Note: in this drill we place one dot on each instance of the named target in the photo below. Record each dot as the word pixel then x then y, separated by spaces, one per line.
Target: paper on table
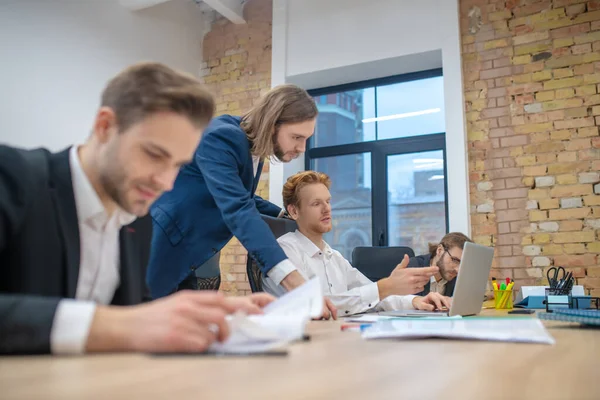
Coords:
pixel 305 300
pixel 367 318
pixel 529 330
pixel 283 321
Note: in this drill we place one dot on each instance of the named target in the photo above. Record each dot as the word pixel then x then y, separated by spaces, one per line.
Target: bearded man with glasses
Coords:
pixel 446 255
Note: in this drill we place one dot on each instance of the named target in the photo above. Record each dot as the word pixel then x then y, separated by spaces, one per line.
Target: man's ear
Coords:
pixel 292 211
pixel 440 250
pixel 105 124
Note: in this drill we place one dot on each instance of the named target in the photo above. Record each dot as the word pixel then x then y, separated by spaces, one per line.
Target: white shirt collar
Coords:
pixel 308 247
pixel 89 207
pixel 433 280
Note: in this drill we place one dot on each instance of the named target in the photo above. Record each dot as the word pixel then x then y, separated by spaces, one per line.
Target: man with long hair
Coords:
pixel 213 198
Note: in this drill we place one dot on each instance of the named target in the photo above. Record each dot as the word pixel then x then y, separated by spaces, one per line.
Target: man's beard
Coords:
pixel 113 182
pixel 440 264
pixel 277 150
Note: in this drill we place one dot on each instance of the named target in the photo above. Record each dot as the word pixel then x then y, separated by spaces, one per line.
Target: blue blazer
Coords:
pixel 212 200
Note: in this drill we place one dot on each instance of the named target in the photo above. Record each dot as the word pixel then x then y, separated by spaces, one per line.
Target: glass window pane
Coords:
pixel 409 109
pixel 341 115
pixel 416 199
pixel 350 201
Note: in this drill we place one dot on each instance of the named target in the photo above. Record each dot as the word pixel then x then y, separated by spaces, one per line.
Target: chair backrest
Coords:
pixel 279 227
pixel 379 262
pixel 209 273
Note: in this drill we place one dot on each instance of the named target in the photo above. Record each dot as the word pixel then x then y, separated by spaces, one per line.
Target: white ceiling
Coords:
pixel 233 10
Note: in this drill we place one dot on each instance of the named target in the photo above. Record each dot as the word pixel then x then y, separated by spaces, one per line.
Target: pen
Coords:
pixel 494 284
pixel 345 327
pixel 507 281
pixel 507 294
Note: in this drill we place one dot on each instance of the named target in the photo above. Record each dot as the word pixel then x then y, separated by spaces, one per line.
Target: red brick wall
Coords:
pixel 532 89
pixel 237 70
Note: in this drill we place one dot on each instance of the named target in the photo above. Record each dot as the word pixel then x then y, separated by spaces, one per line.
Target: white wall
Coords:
pixel 320 43
pixel 57 55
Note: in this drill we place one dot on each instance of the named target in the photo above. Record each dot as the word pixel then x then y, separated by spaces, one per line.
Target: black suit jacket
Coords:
pixel 425 261
pixel 40 248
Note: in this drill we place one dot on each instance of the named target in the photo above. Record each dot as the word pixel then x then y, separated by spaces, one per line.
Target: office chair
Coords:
pixel 279 227
pixel 378 262
pixel 208 274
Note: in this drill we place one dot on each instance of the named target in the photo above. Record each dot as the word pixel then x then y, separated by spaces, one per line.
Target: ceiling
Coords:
pixel 233 10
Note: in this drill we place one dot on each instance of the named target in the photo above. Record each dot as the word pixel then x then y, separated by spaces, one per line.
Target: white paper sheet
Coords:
pixel 283 321
pixel 529 330
pixel 304 300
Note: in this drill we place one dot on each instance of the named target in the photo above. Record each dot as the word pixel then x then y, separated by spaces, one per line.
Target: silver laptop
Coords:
pixel 469 291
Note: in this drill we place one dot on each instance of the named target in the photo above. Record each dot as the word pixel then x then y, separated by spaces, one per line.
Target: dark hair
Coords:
pixel 147 88
pixel 450 240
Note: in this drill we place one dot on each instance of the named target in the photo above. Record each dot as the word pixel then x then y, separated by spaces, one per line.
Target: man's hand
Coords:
pixel 403 281
pixel 433 301
pixel 329 310
pixel 252 304
pixel 294 279
pixel 187 321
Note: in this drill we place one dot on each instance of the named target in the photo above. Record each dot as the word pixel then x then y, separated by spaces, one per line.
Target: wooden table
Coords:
pixel 333 365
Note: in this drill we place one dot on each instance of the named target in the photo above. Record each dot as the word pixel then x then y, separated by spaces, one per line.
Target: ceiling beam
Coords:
pixel 136 5
pixel 233 10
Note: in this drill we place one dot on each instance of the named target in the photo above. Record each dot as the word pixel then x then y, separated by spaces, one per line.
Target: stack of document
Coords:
pixel 283 321
pixel 528 330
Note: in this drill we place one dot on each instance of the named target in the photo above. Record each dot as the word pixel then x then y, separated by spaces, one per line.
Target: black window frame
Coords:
pixel 381 149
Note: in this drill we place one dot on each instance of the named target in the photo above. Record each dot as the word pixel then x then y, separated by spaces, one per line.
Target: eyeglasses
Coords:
pixel 454 259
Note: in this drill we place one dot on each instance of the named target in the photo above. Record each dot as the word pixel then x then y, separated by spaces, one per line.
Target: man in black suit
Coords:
pixel 74 239
pixel 446 255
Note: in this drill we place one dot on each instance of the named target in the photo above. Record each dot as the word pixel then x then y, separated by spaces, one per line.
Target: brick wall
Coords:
pixel 237 70
pixel 532 88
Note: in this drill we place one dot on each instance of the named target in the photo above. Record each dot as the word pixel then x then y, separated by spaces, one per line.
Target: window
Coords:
pixel 382 143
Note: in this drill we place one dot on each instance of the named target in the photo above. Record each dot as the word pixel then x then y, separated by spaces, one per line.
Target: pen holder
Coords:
pixel 503 299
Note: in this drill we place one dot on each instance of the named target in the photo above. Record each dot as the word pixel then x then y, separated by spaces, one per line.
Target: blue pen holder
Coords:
pixel 554 301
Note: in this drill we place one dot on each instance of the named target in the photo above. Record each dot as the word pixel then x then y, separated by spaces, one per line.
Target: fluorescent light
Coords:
pixel 427 160
pixel 404 115
pixel 430 165
pixel 436 177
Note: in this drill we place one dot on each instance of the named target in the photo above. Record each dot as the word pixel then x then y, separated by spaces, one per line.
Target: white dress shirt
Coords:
pixel 285 267
pixel 99 265
pixel 349 290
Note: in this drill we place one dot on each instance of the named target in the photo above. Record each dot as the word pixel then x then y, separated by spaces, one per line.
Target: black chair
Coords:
pixel 208 275
pixel 279 227
pixel 378 262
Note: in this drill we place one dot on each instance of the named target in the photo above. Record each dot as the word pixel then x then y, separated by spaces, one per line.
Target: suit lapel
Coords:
pixel 257 177
pixel 63 200
pixel 449 290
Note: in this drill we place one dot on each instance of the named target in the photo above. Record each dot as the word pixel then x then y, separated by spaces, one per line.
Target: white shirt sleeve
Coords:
pixel 395 303
pixel 390 303
pixel 362 295
pixel 280 271
pixel 71 326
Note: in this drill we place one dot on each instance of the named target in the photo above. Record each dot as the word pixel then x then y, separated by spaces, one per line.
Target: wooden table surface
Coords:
pixel 332 365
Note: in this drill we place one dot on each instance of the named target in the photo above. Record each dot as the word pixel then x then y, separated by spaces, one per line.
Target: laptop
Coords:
pixel 469 290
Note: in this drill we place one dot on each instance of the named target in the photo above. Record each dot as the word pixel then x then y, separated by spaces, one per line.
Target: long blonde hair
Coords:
pixel 284 104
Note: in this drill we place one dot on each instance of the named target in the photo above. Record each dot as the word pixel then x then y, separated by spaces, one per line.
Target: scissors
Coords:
pixel 554 275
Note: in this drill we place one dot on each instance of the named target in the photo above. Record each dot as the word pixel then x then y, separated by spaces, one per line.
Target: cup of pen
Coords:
pixel 503 299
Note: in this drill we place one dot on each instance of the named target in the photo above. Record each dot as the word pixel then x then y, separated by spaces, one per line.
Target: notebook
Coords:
pixel 585 317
